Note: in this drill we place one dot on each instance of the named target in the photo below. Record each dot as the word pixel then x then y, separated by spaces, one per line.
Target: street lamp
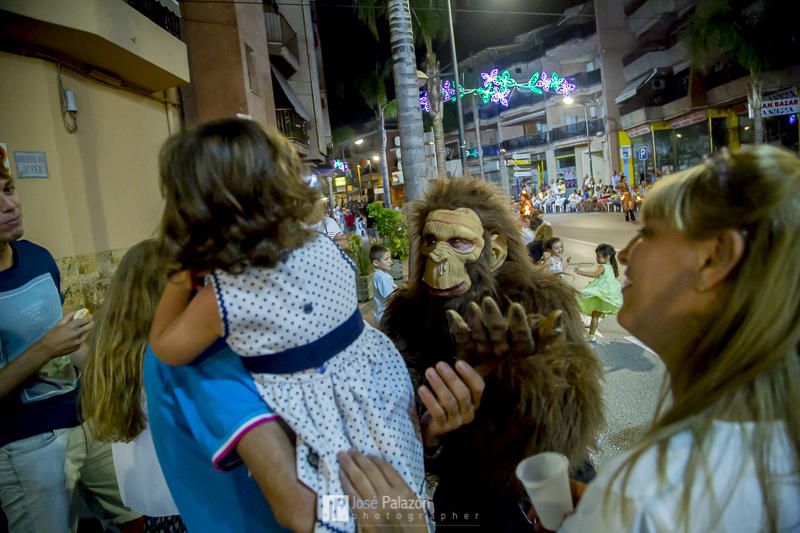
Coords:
pixel 358 142
pixel 568 100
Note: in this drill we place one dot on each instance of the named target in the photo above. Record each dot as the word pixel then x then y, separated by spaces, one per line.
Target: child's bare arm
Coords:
pixel 595 273
pixel 269 455
pixel 183 327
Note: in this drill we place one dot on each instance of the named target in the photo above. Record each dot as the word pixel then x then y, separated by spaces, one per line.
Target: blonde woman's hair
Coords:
pixel 112 380
pixel 745 365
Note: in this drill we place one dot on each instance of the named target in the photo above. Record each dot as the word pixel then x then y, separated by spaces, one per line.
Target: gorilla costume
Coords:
pixel 467 246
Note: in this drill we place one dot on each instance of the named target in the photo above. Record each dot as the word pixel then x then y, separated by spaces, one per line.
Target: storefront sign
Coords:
pixel 640 130
pixel 782 103
pixel 625 152
pixel 340 181
pixel 688 120
pixel 31 164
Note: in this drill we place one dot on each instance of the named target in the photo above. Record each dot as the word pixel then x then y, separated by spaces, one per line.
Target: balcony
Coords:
pixel 525 141
pixel 587 79
pixel 292 125
pixel 281 43
pixel 558 35
pixel 576 130
pixel 488 150
pixel 158 13
pixel 117 39
pixel 651 14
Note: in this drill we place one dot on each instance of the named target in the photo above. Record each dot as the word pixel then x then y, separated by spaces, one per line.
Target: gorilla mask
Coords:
pixel 451 240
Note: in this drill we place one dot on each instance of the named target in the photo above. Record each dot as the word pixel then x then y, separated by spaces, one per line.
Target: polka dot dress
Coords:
pixel 360 398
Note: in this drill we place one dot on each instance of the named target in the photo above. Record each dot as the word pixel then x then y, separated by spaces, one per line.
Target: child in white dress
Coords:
pixel 283 298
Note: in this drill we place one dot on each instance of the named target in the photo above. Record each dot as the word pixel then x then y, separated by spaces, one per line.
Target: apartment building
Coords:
pixel 671 116
pixel 265 64
pixel 632 111
pixel 87 97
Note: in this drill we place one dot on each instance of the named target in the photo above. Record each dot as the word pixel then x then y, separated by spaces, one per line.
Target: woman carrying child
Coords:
pixel 283 298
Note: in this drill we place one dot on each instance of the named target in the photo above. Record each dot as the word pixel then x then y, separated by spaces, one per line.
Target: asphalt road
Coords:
pixel 633 373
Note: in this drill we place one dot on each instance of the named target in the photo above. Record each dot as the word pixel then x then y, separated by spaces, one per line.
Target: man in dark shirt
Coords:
pixel 44 449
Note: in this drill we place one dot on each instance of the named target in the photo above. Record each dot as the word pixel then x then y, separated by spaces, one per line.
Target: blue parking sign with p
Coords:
pixel 642 152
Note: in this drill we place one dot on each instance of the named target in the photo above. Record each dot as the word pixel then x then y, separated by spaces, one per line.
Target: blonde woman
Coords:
pixel 713 287
pixel 112 395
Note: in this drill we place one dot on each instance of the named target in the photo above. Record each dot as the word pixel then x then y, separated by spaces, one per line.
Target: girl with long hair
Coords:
pixel 603 295
pixel 112 394
pixel 282 296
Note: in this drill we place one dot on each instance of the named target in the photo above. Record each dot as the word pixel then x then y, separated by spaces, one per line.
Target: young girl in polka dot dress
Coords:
pixel 283 297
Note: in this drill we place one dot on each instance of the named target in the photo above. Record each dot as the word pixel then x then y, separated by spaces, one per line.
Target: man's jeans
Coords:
pixel 39 477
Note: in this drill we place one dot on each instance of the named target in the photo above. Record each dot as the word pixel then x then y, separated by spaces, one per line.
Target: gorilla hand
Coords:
pixel 487 337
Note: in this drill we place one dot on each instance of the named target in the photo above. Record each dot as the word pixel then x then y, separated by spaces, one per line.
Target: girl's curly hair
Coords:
pixel 234 197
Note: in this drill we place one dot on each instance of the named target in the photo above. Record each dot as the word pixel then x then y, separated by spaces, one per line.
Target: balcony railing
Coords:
pixel 158 14
pixel 577 129
pixel 279 31
pixel 525 141
pixel 587 79
pixel 488 150
pixel 291 125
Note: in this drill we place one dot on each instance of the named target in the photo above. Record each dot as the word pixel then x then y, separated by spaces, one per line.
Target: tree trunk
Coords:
pixel 387 186
pixel 409 116
pixel 437 112
pixel 754 100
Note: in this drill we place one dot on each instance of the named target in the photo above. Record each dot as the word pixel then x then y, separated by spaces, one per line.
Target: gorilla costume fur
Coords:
pixel 467 246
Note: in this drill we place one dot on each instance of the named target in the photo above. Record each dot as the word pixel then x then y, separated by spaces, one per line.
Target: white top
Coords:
pixel 141 482
pixel 360 397
pixel 652 507
pixel 329 227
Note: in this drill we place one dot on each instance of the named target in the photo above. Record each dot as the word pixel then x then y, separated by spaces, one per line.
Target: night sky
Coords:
pixel 349 50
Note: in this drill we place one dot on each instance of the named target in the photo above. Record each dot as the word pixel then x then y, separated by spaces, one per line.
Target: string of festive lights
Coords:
pixel 498 87
pixel 341 166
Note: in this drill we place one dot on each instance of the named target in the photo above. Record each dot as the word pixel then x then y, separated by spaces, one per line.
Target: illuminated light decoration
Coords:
pixel 792 120
pixel 448 93
pixel 498 87
pixel 340 165
pixel 424 102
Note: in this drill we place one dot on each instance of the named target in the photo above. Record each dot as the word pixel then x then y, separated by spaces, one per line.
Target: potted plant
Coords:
pixel 391 226
pixel 359 253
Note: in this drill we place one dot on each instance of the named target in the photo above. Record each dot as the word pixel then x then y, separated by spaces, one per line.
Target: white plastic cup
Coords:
pixel 544 477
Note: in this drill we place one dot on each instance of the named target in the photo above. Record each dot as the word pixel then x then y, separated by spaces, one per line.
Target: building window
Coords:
pixel 691 144
pixel 252 72
pixel 571 119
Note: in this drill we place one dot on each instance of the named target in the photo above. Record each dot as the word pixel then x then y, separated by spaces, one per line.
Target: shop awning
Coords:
pixel 633 87
pixel 290 94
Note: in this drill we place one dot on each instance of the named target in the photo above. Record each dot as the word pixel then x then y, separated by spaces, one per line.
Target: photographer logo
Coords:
pixel 335 508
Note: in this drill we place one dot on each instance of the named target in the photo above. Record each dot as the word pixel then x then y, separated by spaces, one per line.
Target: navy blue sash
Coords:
pixel 311 355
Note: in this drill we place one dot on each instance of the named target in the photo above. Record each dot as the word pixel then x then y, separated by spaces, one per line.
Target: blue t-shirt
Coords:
pixel 30 305
pixel 384 285
pixel 197 414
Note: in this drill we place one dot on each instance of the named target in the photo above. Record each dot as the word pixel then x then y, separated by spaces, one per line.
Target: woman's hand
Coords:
pixel 451 399
pixel 377 493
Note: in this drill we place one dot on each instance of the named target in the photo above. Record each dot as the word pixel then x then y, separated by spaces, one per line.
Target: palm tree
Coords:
pixel 429 24
pixel 751 35
pixel 373 91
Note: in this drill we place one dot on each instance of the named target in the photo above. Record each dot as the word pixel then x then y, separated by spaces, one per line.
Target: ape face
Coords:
pixel 451 240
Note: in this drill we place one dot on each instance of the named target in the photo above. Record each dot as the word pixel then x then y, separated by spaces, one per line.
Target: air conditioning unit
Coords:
pixel 658 84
